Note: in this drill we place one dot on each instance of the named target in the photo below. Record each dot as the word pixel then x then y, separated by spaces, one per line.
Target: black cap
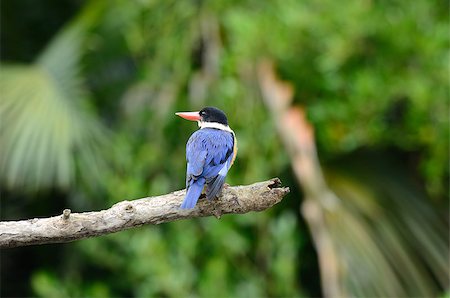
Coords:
pixel 212 114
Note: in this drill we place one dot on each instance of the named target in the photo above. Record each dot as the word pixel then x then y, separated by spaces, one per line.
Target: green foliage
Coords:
pixel 165 261
pixel 384 222
pixel 371 75
pixel 46 118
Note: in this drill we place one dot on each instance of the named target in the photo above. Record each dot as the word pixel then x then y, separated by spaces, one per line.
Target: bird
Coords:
pixel 210 152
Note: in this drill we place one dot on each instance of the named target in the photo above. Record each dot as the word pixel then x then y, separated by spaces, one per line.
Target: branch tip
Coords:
pixel 274 183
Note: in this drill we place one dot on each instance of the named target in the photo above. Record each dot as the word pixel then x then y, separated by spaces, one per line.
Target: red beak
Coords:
pixel 192 116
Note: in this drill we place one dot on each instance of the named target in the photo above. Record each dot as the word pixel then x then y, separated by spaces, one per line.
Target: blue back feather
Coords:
pixel 208 154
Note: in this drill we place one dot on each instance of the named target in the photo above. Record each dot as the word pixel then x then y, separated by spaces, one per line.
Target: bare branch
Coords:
pixel 127 214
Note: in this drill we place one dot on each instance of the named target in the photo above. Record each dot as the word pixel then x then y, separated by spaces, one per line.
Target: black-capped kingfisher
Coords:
pixel 210 152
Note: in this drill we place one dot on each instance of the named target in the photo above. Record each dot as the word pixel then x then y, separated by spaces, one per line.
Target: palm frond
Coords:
pixel 46 121
pixel 392 244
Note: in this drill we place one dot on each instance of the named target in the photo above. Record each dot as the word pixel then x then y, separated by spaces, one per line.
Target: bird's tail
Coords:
pixel 193 193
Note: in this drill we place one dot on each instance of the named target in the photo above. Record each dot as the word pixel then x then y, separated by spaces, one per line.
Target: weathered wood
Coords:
pixel 127 214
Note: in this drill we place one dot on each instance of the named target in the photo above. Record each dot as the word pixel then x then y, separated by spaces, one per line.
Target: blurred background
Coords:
pixel 88 95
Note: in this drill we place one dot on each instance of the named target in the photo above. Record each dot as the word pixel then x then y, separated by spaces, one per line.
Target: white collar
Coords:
pixel 216 125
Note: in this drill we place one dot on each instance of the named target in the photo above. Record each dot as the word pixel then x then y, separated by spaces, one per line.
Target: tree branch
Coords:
pixel 128 214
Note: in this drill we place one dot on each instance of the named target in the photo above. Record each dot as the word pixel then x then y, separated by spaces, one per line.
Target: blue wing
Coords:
pixel 215 185
pixel 208 153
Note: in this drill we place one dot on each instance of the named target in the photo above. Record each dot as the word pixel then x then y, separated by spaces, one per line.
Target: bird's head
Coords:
pixel 205 116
